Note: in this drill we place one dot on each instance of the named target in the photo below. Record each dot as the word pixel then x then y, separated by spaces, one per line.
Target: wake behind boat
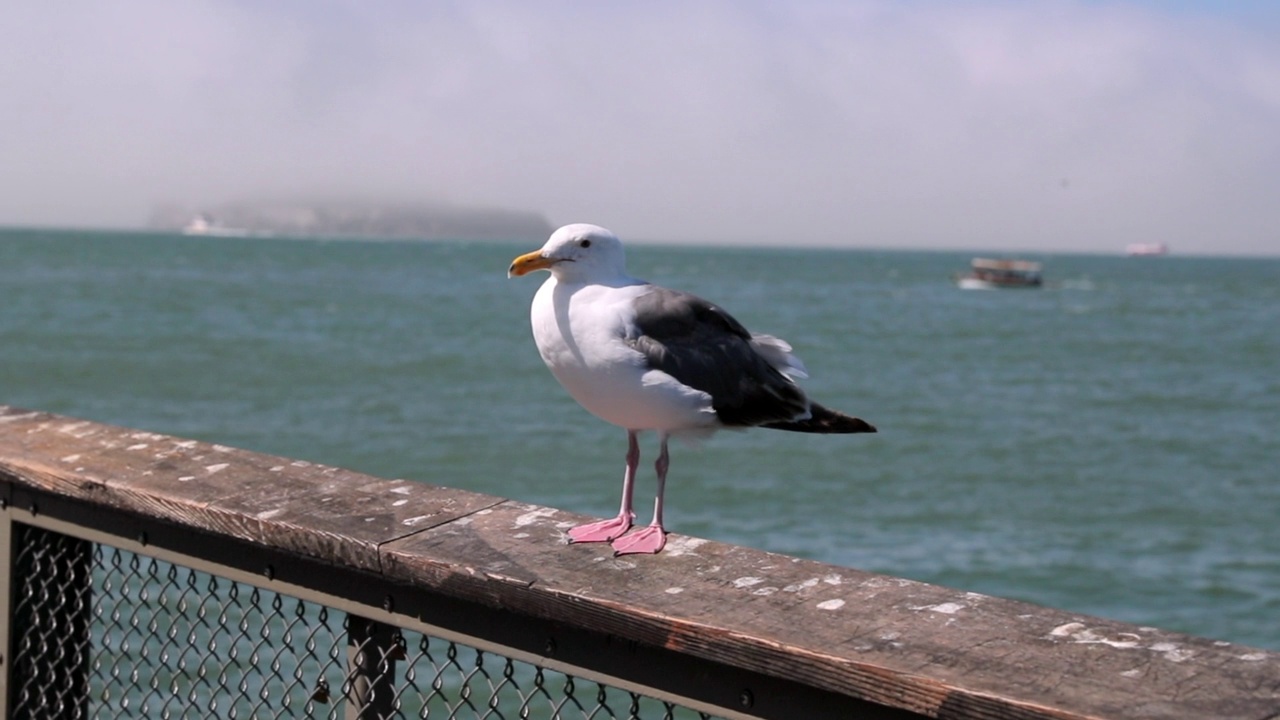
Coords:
pixel 991 274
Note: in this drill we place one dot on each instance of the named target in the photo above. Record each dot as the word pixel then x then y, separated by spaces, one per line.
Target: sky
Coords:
pixel 1071 125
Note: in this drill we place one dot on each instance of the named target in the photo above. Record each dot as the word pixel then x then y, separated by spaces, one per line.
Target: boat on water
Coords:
pixel 1146 249
pixel 205 224
pixel 992 274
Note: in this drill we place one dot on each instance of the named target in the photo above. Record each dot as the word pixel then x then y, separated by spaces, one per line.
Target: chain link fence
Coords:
pixel 101 632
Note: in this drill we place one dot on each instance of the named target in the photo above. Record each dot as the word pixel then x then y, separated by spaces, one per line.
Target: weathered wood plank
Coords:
pixel 928 649
pixel 311 509
pixel 932 650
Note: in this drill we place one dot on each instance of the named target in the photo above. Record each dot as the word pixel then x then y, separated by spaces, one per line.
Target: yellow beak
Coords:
pixel 529 262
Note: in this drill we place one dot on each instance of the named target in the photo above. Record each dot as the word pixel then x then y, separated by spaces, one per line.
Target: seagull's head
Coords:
pixel 578 251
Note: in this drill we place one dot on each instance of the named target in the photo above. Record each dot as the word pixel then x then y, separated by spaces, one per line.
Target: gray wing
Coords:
pixel 703 347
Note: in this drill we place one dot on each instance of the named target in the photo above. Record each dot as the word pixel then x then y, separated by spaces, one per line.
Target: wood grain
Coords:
pixel 927 649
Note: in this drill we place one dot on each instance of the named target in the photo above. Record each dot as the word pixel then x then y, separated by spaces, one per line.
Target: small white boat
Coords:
pixel 199 225
pixel 205 224
pixel 991 274
pixel 1141 249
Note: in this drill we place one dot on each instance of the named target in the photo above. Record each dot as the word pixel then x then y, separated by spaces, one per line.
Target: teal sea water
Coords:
pixel 1108 445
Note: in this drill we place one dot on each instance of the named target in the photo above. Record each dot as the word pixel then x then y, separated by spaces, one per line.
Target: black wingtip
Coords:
pixel 825 421
pixel 860 426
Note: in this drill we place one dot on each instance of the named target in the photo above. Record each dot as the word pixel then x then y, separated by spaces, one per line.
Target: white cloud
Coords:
pixel 1062 125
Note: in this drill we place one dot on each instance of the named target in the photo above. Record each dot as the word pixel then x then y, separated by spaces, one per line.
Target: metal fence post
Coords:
pixel 6 609
pixel 371 661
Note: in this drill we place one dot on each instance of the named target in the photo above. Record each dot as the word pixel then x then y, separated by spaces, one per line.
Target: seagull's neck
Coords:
pixel 569 279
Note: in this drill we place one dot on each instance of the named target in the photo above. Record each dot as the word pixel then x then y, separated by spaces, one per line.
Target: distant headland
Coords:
pixel 353 219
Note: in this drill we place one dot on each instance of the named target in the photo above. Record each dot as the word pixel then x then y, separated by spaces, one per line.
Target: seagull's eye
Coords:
pixel 584 243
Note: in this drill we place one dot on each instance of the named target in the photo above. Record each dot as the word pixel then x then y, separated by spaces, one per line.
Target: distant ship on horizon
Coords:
pixel 206 224
pixel 1142 249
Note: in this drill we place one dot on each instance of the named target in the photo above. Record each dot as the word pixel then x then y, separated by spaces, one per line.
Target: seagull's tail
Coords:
pixel 826 421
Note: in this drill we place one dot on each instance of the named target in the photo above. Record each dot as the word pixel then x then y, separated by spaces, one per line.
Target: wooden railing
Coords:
pixel 723 629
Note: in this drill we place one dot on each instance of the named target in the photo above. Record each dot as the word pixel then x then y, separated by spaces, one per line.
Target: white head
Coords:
pixel 578 252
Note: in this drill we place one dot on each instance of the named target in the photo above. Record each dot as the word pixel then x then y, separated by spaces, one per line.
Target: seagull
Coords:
pixel 647 358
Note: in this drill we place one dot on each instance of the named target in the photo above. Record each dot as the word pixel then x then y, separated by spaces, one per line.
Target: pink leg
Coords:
pixel 606 530
pixel 653 537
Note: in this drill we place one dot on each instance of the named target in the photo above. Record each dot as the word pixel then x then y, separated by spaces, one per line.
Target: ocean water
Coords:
pixel 1107 445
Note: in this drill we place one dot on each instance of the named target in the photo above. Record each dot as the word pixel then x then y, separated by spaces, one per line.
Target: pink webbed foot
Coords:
pixel 602 531
pixel 650 540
